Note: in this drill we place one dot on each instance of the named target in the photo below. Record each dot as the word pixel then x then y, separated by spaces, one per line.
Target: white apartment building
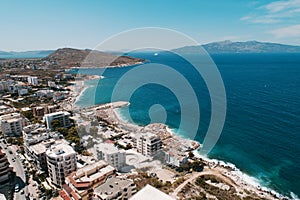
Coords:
pixel 61 161
pixel 11 124
pixel 33 80
pixel 61 116
pixel 111 154
pixel 147 143
pixel 3 86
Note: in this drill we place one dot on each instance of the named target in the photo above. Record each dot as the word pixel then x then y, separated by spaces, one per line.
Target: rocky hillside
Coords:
pixel 68 57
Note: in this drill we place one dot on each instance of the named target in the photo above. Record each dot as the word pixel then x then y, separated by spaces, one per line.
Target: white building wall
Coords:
pixel 33 80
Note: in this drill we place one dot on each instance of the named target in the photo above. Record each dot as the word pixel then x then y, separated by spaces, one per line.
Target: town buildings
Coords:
pixel 40 111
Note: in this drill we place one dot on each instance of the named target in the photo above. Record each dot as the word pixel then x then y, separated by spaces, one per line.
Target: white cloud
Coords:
pixel 265 20
pixel 279 6
pixel 287 32
pixel 246 18
pixel 274 12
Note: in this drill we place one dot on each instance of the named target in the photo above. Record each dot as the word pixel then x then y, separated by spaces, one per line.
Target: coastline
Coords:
pixel 106 67
pixel 79 87
pixel 228 170
pixel 225 169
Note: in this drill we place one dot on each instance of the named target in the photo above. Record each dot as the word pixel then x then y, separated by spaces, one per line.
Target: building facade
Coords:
pixel 6 176
pixel 62 117
pixel 5 170
pixel 38 111
pixel 12 124
pixel 61 161
pixel 111 154
pixel 33 80
pixel 147 144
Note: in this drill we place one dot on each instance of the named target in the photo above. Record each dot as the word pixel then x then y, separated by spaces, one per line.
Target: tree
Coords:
pixel 28 114
pixel 191 154
pixel 55 124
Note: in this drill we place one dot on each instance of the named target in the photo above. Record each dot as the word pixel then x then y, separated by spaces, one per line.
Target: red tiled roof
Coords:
pixel 64 195
pixel 109 141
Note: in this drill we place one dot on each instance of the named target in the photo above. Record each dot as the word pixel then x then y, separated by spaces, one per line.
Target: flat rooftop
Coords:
pixel 60 149
pixel 113 185
pixel 107 148
pixel 93 171
pixel 10 116
pixel 57 113
pixel 38 148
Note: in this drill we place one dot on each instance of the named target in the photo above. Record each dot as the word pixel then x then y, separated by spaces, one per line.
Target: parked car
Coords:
pixel 17 188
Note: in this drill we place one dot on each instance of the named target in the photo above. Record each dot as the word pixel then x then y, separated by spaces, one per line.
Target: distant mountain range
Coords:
pixel 26 54
pixel 226 46
pixel 241 47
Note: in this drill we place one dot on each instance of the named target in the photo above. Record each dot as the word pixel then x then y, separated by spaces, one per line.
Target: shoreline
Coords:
pixel 106 67
pixel 241 178
pixel 229 170
pixel 79 87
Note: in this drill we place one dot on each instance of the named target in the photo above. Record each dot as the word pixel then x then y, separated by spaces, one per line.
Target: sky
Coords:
pixel 37 25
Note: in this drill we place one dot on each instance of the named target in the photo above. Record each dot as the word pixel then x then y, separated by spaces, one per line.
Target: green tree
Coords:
pixel 28 114
pixel 55 124
pixel 191 154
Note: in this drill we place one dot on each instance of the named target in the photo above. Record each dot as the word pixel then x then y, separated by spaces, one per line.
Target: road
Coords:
pixel 18 168
pixel 198 174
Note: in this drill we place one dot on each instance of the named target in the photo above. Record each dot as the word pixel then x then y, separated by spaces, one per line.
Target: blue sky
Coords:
pixel 33 24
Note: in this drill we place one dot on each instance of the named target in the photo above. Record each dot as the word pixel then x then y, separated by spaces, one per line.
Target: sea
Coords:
pixel 261 133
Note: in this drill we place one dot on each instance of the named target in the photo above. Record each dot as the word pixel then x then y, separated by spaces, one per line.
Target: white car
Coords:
pixel 17 187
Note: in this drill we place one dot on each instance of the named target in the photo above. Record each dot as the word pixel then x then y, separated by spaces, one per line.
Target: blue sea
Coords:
pixel 261 134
